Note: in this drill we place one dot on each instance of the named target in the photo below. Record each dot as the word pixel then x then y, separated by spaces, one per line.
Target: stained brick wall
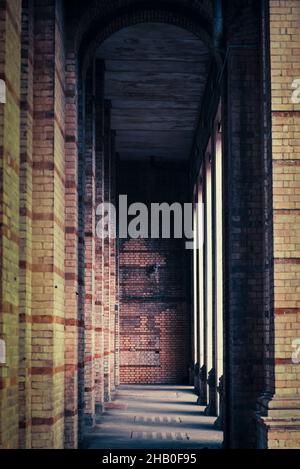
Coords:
pixel 154 312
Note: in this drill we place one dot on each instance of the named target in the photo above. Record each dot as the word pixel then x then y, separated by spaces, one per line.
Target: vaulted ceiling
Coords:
pixel 155 78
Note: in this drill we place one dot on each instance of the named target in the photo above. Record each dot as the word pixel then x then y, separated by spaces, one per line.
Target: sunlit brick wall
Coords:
pixel 48 229
pixel 26 225
pixel 10 68
pixel 285 68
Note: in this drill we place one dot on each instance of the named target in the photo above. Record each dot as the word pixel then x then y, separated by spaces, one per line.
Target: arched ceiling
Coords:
pixel 155 78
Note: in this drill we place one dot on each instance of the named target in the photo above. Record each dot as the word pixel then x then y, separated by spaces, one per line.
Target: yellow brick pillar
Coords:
pixel 48 279
pixel 99 243
pixel 280 407
pixel 25 317
pixel 89 250
pixel 10 31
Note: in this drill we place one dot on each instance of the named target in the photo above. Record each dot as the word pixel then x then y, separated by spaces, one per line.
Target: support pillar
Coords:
pixel 27 49
pixel 278 409
pixel 195 295
pixel 81 258
pixel 99 265
pixel 218 266
pixel 209 273
pixel 10 51
pixel 48 253
pixel 90 231
pixel 112 262
pixel 243 235
pixel 202 400
pixel 72 318
pixel 106 247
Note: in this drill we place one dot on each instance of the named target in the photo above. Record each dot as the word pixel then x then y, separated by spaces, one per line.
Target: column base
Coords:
pixel 211 409
pixel 107 390
pixel 219 423
pixel 278 422
pixel 196 380
pixel 89 421
pixel 99 408
pixel 202 399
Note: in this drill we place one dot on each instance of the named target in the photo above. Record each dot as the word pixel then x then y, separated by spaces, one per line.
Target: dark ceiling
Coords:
pixel 155 78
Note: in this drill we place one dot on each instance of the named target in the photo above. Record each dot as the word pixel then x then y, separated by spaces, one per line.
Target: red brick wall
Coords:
pixel 154 312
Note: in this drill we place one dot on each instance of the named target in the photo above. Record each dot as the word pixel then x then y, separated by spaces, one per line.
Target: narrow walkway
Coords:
pixel 154 417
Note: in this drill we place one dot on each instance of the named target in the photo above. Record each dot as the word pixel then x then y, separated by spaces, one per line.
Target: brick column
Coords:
pixel 26 224
pixel 243 224
pixel 72 321
pixel 10 32
pixel 117 303
pixel 48 229
pixel 279 406
pixel 243 234
pixel 81 257
pixel 112 262
pixel 209 276
pixel 194 378
pixel 99 266
pixel 89 276
pixel 106 248
pixel 202 400
pixel 218 267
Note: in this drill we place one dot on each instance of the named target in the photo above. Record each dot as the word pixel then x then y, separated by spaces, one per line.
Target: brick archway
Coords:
pixel 196 16
pixel 98 24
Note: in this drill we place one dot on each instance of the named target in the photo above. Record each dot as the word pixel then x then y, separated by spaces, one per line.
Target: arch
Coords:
pixel 100 9
pixel 100 21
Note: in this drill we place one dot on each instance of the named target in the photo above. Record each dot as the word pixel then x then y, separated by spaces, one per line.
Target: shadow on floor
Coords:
pixel 165 417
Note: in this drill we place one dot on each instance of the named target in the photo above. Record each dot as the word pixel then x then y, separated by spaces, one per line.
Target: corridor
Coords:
pixel 149 224
pixel 154 417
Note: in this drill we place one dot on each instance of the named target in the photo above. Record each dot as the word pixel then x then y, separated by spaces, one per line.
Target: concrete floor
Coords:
pixel 154 417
